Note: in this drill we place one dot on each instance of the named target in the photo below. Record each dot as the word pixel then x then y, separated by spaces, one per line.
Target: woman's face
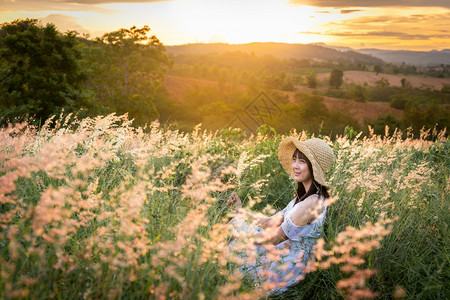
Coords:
pixel 300 167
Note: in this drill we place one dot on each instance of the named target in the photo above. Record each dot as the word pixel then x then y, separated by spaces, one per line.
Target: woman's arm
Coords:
pixel 260 220
pixel 268 222
pixel 305 212
pixel 270 235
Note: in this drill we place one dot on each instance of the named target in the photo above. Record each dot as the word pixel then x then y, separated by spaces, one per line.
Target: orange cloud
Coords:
pixel 349 11
pixel 373 3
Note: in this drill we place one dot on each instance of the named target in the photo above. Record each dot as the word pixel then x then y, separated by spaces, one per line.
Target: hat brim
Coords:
pixel 286 151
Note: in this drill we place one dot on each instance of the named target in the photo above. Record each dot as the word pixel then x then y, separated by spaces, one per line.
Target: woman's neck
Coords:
pixel 307 185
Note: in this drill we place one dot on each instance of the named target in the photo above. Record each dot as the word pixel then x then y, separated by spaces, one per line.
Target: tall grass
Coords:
pixel 98 209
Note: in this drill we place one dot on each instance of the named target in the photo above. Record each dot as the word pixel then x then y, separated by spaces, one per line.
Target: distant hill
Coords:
pixel 279 50
pixel 418 58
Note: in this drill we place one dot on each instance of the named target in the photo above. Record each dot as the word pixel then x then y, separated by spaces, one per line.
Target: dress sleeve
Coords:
pixel 292 231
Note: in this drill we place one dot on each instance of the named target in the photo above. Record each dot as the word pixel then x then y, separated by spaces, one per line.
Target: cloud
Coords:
pixel 387 34
pixel 372 3
pixel 426 21
pixel 349 11
pixel 49 5
pixel 64 5
pixel 64 23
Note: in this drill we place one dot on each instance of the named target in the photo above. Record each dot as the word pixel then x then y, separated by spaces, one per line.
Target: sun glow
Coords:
pixel 231 21
pixel 244 21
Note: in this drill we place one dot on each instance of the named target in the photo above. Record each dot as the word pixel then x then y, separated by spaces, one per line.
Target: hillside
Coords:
pixel 358 110
pixel 370 78
pixel 177 86
pixel 417 58
pixel 279 50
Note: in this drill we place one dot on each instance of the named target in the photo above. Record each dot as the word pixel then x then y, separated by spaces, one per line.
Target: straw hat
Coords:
pixel 317 151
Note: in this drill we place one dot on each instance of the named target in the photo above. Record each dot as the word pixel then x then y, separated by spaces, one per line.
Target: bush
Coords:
pixel 399 101
pixel 357 92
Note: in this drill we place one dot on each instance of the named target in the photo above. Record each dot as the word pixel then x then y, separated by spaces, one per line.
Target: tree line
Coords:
pixel 44 72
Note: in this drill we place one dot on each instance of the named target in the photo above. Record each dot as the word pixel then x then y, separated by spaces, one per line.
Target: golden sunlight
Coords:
pixel 407 26
pixel 230 21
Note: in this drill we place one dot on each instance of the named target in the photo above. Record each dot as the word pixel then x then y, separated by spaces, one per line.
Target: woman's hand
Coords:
pixel 234 202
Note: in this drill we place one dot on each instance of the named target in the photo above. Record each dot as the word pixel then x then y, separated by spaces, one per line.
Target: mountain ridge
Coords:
pixel 410 57
pixel 279 50
pixel 319 51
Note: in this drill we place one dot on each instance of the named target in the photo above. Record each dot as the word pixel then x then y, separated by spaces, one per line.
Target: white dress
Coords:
pixel 282 264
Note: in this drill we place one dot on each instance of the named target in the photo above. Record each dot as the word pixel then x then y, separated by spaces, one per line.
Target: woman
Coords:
pixel 283 243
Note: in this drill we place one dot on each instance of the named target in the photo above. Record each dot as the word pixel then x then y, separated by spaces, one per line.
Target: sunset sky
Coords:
pixel 384 24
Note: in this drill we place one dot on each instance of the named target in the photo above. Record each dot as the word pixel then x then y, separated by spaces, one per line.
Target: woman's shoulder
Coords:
pixel 307 211
pixel 313 203
pixel 316 197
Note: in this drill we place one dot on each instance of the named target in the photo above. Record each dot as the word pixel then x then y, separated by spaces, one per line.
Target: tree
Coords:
pixel 40 71
pixel 405 83
pixel 377 69
pixel 336 78
pixel 127 67
pixel 382 83
pixel 311 78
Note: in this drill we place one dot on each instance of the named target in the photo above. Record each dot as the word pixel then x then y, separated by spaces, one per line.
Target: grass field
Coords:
pixel 99 209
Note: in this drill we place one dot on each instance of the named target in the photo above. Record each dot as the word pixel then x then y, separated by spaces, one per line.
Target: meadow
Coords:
pixel 97 208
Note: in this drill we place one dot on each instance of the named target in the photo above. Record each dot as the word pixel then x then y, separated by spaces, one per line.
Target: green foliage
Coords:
pixel 377 69
pixel 382 83
pixel 336 78
pixel 349 132
pixel 41 71
pixel 126 69
pixel 310 114
pixel 438 71
pixel 210 105
pixel 380 93
pixel 429 117
pixel 405 83
pixel 357 92
pixel 399 101
pixel 311 78
pixel 379 124
pixel 445 89
pixel 282 81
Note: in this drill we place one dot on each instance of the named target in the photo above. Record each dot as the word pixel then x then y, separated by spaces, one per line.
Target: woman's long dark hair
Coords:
pixel 315 188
